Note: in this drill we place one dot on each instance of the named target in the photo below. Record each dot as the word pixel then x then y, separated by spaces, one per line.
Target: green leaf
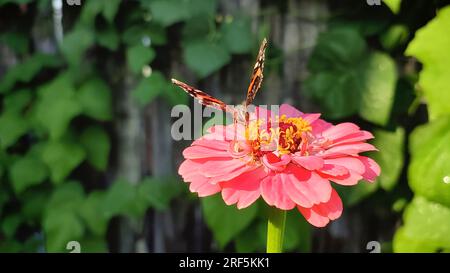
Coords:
pixel 226 222
pixel 430 160
pixel 61 158
pixel 355 194
pixel 10 224
pixel 390 156
pixel 394 5
pixel 57 105
pixel 75 44
pixel 26 172
pixel 204 57
pixel 16 41
pixel 297 236
pixel 12 126
pixel 135 34
pixel 17 101
pixel 394 37
pixel 237 35
pixel 337 49
pixel 33 204
pixel 168 12
pixel 138 56
pixel 93 245
pixel 61 228
pixel 61 223
pixel 430 46
pixel 196 28
pixel 159 191
pixel 108 8
pixel 27 69
pixel 426 228
pixel 97 146
pixel 91 212
pixel 201 7
pixel 95 98
pixel 174 96
pixel 149 88
pixel 346 78
pixel 119 199
pixel 108 37
pixel 379 83
pixel 67 197
pixel 252 239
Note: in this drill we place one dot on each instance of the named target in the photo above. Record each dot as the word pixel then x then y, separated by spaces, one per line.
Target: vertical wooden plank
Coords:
pixel 130 142
pixel 161 145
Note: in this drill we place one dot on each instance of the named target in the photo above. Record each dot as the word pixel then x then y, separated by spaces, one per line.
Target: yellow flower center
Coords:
pixel 285 135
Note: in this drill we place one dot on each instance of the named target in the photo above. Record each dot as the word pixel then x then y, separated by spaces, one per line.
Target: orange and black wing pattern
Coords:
pixel 202 97
pixel 257 75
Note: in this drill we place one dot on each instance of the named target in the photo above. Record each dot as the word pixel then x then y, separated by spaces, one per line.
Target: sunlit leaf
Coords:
pixel 390 156
pixel 430 46
pixel 430 160
pixel 426 228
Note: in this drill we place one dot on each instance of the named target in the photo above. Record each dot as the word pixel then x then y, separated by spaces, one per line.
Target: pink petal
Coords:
pixel 321 214
pixel 352 163
pixel 308 162
pixel 244 189
pixel 289 111
pixel 273 192
pixel 212 144
pixel 297 191
pixel 310 184
pixel 372 169
pixel 340 130
pixel 226 133
pixel 195 152
pixel 348 180
pixel 354 137
pixel 230 175
pixel 311 118
pixel 201 186
pixel 334 170
pixel 319 126
pixel 189 168
pixel 340 174
pixel 262 113
pixel 349 149
pixel 221 167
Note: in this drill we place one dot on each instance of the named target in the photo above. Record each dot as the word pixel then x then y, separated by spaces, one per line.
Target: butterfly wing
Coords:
pixel 257 75
pixel 202 97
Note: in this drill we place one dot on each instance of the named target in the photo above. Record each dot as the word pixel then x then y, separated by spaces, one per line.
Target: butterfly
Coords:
pixel 239 113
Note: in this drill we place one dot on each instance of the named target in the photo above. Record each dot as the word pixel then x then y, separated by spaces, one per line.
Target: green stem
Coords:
pixel 275 230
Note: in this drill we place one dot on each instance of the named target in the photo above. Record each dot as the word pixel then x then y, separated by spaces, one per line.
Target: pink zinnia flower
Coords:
pixel 289 162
